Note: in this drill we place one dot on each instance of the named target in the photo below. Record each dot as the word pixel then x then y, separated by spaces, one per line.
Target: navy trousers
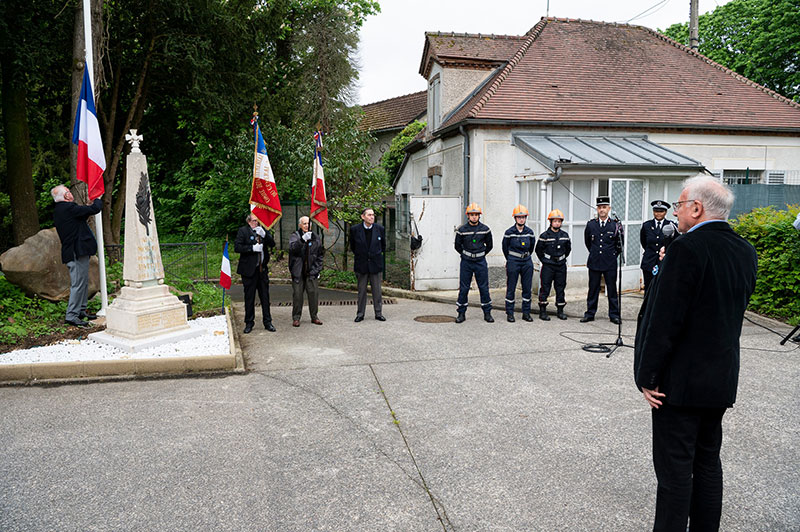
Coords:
pixel 516 268
pixel 686 447
pixel 594 292
pixel 557 276
pixel 480 270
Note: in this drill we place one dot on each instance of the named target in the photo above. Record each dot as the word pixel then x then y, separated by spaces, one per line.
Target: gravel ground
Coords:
pixel 214 341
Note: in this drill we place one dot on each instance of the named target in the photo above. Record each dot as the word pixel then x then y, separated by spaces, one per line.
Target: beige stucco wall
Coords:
pixel 720 152
pixel 458 83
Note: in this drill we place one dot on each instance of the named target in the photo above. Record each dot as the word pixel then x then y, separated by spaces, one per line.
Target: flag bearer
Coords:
pixel 553 249
pixel 518 246
pixel 473 242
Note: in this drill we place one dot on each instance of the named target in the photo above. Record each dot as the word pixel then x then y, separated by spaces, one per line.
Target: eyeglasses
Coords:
pixel 677 204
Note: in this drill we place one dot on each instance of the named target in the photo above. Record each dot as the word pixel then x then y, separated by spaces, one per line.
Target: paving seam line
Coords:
pixel 272 375
pixel 443 519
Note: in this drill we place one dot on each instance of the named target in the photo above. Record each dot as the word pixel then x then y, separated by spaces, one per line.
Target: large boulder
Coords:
pixel 36 267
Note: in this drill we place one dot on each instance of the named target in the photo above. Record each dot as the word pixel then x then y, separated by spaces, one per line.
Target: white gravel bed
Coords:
pixel 213 342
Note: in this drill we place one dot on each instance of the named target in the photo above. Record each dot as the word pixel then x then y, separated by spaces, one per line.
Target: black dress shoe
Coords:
pixel 269 326
pixel 587 318
pixel 380 318
pixel 359 318
pixel 85 316
pixel 77 323
pixel 247 329
pixel 615 321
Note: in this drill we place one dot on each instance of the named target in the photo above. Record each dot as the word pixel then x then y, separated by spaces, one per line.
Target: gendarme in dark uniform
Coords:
pixel 473 242
pixel 601 237
pixel 652 238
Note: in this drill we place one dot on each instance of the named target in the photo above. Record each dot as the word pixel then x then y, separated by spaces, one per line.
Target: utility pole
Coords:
pixel 694 32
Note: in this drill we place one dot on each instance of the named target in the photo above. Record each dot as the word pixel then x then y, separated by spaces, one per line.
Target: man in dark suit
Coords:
pixel 78 244
pixel 686 359
pixel 368 244
pixel 601 238
pixel 652 239
pixel 252 244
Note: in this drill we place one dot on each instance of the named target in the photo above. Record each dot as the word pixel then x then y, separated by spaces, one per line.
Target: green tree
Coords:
pixel 759 39
pixel 394 156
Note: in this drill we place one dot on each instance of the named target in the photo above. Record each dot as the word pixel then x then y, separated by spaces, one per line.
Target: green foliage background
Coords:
pixel 778 246
pixel 759 39
pixel 393 157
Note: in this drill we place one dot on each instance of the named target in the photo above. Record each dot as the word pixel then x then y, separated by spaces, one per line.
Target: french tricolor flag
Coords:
pixel 86 134
pixel 225 270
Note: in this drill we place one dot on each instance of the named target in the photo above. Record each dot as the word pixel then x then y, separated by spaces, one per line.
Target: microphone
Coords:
pixel 614 215
pixel 668 230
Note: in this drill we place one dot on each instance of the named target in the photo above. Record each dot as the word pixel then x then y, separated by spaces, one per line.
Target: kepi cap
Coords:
pixel 603 200
pixel 659 204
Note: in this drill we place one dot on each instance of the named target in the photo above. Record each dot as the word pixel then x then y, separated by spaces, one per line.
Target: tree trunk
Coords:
pixel 112 211
pixel 18 153
pixel 78 47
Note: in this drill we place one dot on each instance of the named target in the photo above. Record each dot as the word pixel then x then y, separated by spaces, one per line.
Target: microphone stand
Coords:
pixel 606 347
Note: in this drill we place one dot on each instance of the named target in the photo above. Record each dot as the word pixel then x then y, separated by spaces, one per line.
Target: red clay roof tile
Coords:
pixel 570 71
pixel 395 112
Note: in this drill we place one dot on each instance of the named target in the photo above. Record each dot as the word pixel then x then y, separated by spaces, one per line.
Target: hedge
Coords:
pixel 777 243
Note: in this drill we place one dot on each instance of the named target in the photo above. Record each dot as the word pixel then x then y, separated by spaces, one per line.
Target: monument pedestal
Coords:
pixel 145 317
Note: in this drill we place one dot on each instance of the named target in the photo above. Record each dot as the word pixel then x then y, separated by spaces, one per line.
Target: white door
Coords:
pixel 628 202
pixel 435 265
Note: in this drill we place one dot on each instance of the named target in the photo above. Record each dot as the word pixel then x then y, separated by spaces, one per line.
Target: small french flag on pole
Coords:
pixel 86 134
pixel 225 270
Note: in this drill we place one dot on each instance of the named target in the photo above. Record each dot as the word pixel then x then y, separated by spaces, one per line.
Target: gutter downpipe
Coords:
pixel 543 193
pixel 466 167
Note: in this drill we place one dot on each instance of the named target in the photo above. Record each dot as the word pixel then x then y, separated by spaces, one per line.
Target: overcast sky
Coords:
pixel 392 41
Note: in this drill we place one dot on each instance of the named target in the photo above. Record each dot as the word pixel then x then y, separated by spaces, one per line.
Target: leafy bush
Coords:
pixel 331 278
pixel 778 246
pixel 393 158
pixel 22 316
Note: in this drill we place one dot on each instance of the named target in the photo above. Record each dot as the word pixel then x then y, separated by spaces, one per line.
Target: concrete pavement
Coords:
pixel 401 425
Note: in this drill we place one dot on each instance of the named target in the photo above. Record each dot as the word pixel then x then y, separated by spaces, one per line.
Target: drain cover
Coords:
pixel 435 318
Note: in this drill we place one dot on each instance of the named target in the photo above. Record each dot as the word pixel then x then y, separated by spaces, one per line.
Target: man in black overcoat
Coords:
pixel 368 244
pixel 306 255
pixel 252 244
pixel 686 359
pixel 78 244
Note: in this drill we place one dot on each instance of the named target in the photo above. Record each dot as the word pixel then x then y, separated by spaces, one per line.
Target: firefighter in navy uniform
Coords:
pixel 473 242
pixel 518 246
pixel 652 239
pixel 601 237
pixel 553 249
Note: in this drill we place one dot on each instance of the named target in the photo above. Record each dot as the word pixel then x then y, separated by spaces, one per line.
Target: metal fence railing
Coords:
pixel 748 197
pixel 185 260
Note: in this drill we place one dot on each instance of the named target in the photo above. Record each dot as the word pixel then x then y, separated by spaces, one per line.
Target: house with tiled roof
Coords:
pixel 571 110
pixel 387 118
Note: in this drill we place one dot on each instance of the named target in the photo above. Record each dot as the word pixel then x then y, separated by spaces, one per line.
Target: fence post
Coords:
pixel 205 262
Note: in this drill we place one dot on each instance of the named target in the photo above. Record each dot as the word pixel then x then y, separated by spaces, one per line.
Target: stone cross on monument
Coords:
pixel 145 313
pixel 134 139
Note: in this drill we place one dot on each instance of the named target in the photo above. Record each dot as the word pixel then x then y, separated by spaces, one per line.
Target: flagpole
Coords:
pixel 98 218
